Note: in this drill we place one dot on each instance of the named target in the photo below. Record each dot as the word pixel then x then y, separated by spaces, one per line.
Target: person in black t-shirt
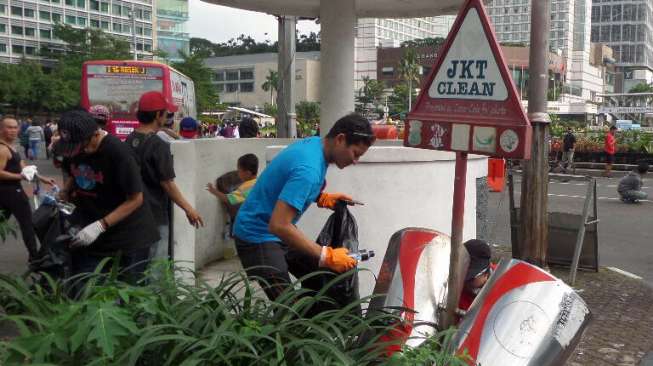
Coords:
pixel 155 160
pixel 568 144
pixel 105 184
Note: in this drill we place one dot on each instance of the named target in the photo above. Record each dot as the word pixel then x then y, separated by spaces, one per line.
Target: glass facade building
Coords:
pixel 377 32
pixel 512 22
pixel 171 34
pixel 26 26
pixel 627 27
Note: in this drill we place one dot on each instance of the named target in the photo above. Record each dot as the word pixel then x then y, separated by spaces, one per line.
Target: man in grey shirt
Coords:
pixel 630 186
pixel 35 133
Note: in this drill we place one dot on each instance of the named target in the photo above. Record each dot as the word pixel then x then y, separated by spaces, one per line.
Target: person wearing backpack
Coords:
pixel 155 160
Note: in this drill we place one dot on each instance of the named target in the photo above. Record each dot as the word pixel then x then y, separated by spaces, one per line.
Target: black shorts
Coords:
pixel 609 158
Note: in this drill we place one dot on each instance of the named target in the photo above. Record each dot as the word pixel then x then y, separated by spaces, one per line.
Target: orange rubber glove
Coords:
pixel 329 200
pixel 337 260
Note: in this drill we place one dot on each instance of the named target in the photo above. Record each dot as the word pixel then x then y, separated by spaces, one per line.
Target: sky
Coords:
pixel 220 23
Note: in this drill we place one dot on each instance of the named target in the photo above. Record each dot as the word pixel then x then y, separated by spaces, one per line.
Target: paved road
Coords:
pixel 625 230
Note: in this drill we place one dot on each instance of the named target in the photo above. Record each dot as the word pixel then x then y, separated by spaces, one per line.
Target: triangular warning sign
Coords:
pixel 469 98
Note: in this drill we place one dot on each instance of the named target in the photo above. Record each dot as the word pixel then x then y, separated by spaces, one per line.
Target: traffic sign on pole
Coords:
pixel 469 102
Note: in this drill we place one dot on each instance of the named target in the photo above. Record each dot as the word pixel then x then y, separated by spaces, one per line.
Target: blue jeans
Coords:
pixel 34 149
pixel 633 195
pixel 159 250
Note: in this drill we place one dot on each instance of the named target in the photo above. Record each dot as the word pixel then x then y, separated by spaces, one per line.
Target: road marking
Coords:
pixel 585 184
pixel 625 273
pixel 583 197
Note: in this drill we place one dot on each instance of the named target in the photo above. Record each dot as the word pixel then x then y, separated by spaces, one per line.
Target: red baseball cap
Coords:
pixel 155 101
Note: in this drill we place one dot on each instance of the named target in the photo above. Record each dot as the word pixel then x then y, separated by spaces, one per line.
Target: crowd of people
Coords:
pixel 123 188
pixel 123 192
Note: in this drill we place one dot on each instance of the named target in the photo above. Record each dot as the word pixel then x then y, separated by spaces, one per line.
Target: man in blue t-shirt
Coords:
pixel 265 228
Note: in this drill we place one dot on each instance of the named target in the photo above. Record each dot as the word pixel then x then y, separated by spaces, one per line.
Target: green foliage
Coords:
pixel 424 42
pixel 432 352
pixel 26 86
pixel 193 66
pixel 306 43
pixel 409 71
pixel 243 45
pixel 397 101
pixel 168 321
pixel 641 88
pixel 514 44
pixel 271 84
pixel 82 45
pixel 370 94
pixel 308 114
pixel 31 87
pixel 6 229
pixel 270 109
pixel 210 120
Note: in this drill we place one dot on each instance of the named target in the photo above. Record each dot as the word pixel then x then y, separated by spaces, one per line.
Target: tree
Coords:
pixel 423 42
pixel 80 45
pixel 370 93
pixel 271 84
pixel 409 71
pixel 270 109
pixel 641 88
pixel 310 42
pixel 26 86
pixel 308 114
pixel 247 45
pixel 193 66
pixel 201 46
pixel 397 100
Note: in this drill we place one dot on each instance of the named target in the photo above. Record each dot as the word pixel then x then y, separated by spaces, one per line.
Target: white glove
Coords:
pixel 29 172
pixel 88 235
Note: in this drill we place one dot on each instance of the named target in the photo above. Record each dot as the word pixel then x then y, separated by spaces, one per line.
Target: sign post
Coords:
pixel 468 105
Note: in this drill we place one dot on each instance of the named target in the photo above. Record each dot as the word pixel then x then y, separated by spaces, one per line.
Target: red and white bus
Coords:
pixel 118 85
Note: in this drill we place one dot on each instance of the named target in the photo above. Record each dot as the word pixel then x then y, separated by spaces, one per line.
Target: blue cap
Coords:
pixel 188 124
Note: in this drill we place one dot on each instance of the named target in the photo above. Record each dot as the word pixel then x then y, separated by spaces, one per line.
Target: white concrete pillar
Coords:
pixel 338 19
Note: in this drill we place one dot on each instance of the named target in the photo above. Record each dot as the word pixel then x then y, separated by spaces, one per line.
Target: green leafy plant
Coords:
pixel 271 84
pixel 308 115
pixel 433 351
pixel 174 318
pixel 6 228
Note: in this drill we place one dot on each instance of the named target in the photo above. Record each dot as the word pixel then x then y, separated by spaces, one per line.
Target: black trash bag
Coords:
pixel 53 231
pixel 43 218
pixel 339 231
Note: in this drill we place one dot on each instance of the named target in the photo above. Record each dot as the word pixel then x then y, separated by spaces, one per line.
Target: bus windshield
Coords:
pixel 119 87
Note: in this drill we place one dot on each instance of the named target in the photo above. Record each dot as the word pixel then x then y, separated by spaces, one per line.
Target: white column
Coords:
pixel 338 19
pixel 286 69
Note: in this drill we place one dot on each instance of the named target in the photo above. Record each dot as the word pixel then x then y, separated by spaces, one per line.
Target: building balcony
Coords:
pixel 173 35
pixel 171 14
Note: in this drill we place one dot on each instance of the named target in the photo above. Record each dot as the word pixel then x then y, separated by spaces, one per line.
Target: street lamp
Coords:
pixel 132 17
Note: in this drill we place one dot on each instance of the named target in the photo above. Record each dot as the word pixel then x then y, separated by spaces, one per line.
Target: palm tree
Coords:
pixel 271 84
pixel 409 71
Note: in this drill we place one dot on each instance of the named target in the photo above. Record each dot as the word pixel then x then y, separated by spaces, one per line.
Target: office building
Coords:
pixel 627 27
pixel 171 34
pixel 26 26
pixel 239 79
pixel 569 37
pixel 373 32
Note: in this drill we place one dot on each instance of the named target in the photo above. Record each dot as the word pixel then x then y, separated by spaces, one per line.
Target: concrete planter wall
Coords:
pixel 400 187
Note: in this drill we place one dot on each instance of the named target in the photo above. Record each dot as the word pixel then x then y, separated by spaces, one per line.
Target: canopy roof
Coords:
pixel 364 8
